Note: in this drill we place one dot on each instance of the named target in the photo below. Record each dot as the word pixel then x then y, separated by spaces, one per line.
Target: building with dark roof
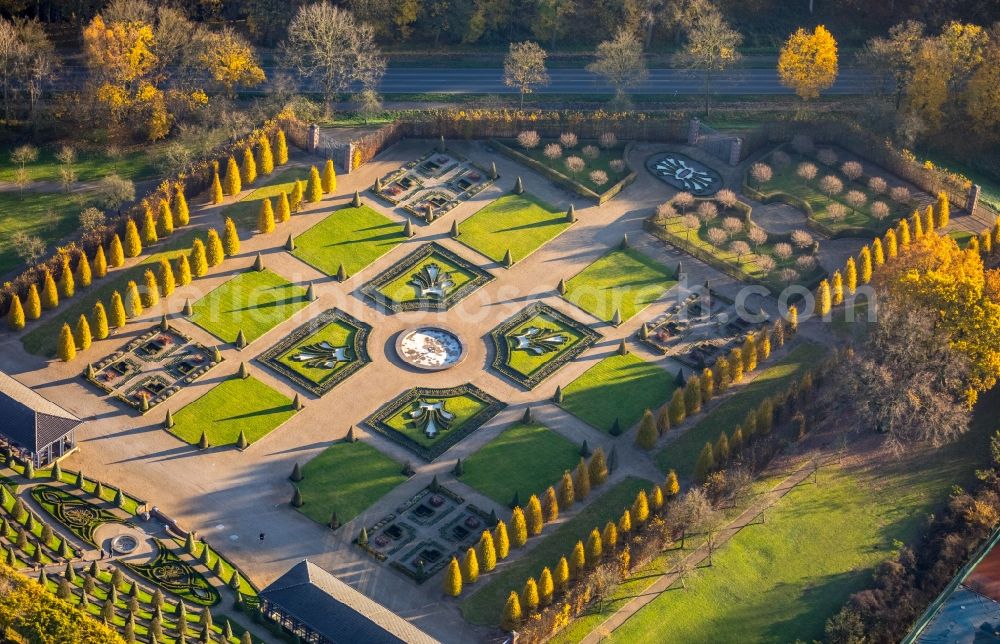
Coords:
pixel 32 426
pixel 321 609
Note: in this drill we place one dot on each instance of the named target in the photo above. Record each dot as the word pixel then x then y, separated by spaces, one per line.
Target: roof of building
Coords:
pixel 336 611
pixel 29 420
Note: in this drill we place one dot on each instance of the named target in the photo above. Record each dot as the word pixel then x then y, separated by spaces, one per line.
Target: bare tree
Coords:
pixel 524 67
pixel 621 63
pixel 693 512
pixel 113 192
pixel 710 48
pixel 92 219
pixel 28 249
pixel 327 45
pixel 27 62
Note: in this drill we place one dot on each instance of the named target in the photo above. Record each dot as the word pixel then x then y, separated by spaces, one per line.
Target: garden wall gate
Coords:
pixel 724 146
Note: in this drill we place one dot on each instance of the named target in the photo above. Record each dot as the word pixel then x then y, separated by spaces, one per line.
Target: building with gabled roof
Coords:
pixel 32 426
pixel 321 609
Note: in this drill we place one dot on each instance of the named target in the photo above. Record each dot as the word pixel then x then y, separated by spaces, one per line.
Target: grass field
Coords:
pixel 346 478
pixel 682 454
pixel 463 406
pixel 519 223
pixel 89 166
pixel 244 212
pixel 338 334
pixel 43 335
pixel 48 215
pixel 485 604
pixel 524 458
pixel 354 237
pixel 624 280
pixel 619 387
pixel 234 405
pixel 254 301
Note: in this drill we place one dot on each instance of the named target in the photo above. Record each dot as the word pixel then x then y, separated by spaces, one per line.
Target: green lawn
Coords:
pixel 346 478
pixel 463 406
pixel 602 162
pixel 338 334
pixel 48 215
pixel 402 288
pixel 136 164
pixel 43 335
pixel 354 237
pixel 484 605
pixel 254 301
pixel 519 223
pixel 244 212
pixel 234 405
pixel 682 454
pixel 624 280
pixel 962 237
pixel 524 458
pixel 621 387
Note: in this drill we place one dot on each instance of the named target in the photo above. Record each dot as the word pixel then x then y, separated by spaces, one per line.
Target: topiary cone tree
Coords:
pixel 518 186
pixel 454 229
pixel 290 243
pixel 562 288
pixel 571 213
pixel 356 201
pixel 311 292
pixel 624 245
pixel 203 441
pixel 526 418
pixel 558 396
pixel 408 229
pixel 508 259
pixel 622 348
pixel 341 273
pixel 297 501
pixel 241 340
pixel 241 441
pixel 168 422
pixel 244 372
pixel 296 474
pixel 493 171
pixel 616 319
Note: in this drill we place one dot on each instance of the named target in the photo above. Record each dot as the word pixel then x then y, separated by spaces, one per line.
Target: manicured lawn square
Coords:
pixel 463 407
pixel 244 212
pixel 234 405
pixel 405 289
pixel 346 478
pixel 519 223
pixel 255 301
pixel 354 237
pixel 524 459
pixel 430 278
pixel 335 334
pixel 621 387
pixel 623 280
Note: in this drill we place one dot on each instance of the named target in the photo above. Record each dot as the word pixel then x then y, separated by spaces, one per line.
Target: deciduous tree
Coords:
pixel 808 62
pixel 524 67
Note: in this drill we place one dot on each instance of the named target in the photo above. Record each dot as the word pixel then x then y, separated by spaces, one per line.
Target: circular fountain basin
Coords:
pixel 430 348
pixel 124 544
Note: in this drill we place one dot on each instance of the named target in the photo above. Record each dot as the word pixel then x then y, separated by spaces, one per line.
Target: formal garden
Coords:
pixel 512 227
pixel 348 240
pixel 245 211
pixel 619 285
pixel 434 184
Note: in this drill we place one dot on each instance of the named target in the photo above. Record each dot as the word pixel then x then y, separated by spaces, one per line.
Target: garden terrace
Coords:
pixel 623 280
pixel 729 240
pixel 485 604
pixel 520 224
pixel 344 479
pixel 588 168
pixel 78 515
pixel 430 421
pixel 425 532
pixel 254 302
pixel 431 278
pixel 42 337
pixel 235 405
pixel 321 353
pixel 436 182
pixel 352 237
pixel 681 454
pixel 523 460
pixel 29 547
pixel 169 572
pixel 244 212
pixel 822 207
pixel 618 388
pixel 535 343
pixel 152 367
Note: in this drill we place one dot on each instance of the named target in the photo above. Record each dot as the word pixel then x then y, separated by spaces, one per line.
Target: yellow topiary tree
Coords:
pixel 67 345
pixel 865 265
pixel 149 235
pixel 470 567
pixel 577 560
pixel 116 254
pixel 265 159
pixel 295 199
pixel 837 289
pixel 647 434
pixel 656 497
pixel 878 252
pixel 904 233
pixel 83 274
pixel 150 289
pixel 610 534
pixel 183 270
pixel 117 317
pixel 233 185
pixel 280 147
pixel 823 299
pixel 231 238
pixel 165 277
pixel 519 529
pixel 182 216
pixel 83 335
pixel 453 579
pixel 550 505
pixel 197 259
pixel 533 516
pixel 265 217
pixel 565 492
pixel 640 507
pixel 249 174
pixel 32 303
pixel 284 208
pixel 50 293
pixel 562 575
pixel 165 221
pixel 672 486
pixel 487 552
pixel 100 263
pixel 546 587
pixel 216 196
pixel 214 250
pixel 511 612
pixel 595 547
pixel 329 182
pixel 625 522
pixel 314 190
pixel 501 540
pixel 15 314
pixel 529 595
pixel 929 220
pixel 133 243
pixel 133 301
pixel 67 285
pixel 100 318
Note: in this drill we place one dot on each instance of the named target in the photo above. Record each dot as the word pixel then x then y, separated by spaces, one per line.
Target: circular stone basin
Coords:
pixel 430 348
pixel 124 544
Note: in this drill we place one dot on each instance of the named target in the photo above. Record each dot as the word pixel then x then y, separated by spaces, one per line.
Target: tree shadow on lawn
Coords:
pixel 256 414
pixel 555 221
pixel 267 305
pixel 367 240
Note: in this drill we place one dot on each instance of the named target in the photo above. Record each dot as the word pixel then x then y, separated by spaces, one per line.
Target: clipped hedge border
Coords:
pixel 453 203
pixel 377 421
pixel 360 349
pixel 371 290
pixel 566 182
pixel 502 351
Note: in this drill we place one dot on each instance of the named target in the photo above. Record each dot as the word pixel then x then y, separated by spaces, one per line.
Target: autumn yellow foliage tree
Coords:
pixel 808 62
pixel 232 63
